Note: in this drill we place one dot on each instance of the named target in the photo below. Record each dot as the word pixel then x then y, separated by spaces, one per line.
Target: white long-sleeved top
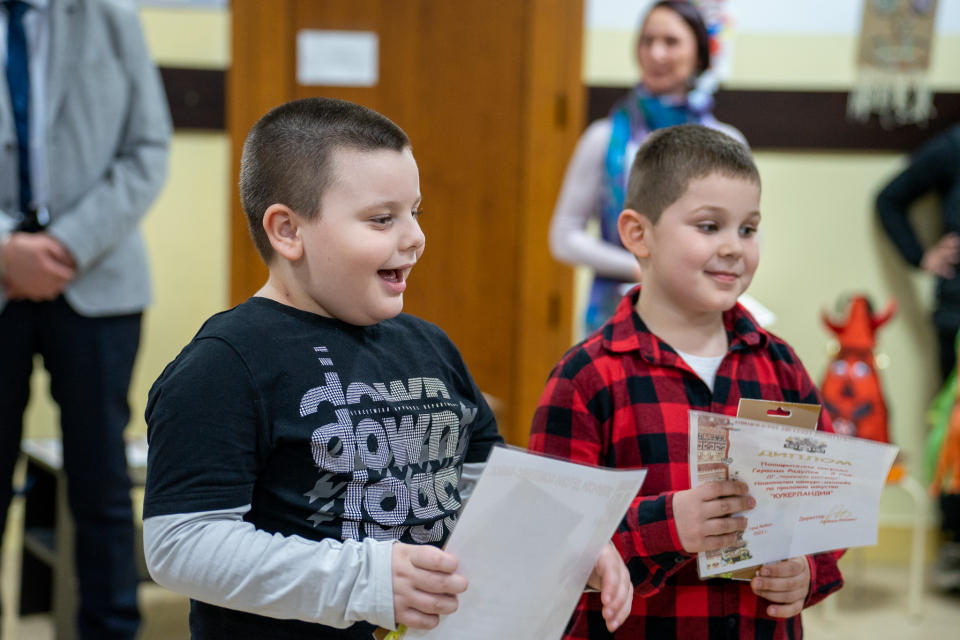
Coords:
pixel 218 558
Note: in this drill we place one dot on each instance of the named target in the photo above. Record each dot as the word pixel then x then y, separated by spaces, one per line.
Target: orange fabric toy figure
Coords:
pixel 946 478
pixel 851 388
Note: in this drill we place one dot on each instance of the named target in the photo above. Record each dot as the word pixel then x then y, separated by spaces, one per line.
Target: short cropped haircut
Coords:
pixel 672 157
pixel 288 156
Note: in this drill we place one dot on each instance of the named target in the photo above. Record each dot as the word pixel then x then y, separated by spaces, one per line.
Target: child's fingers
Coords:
pixel 718 533
pixel 727 506
pixel 785 568
pixel 786 590
pixel 721 488
pixel 618 610
pixel 432 604
pixel 785 610
pixel 616 588
pixel 696 509
pixel 785 584
pixel 715 543
pixel 781 597
pixel 432 559
pixel 417 619
pixel 780 584
pixel 724 526
pixel 438 583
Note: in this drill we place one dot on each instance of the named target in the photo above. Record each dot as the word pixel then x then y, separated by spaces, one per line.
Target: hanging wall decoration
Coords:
pixel 895 43
pixel 716 17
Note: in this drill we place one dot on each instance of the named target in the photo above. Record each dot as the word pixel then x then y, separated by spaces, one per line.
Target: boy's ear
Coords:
pixel 282 226
pixel 634 230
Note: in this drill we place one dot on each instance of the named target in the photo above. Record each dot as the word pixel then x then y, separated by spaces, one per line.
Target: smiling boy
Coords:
pixel 681 342
pixel 311 448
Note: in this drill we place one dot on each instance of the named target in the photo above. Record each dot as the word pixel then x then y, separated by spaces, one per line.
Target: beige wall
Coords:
pixel 820 238
pixel 186 229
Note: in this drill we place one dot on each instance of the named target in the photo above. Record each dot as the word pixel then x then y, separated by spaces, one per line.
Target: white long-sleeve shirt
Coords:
pixel 218 558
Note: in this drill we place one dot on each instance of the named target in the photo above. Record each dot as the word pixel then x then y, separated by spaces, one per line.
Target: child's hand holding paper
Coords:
pixel 424 585
pixel 703 515
pixel 611 578
pixel 785 584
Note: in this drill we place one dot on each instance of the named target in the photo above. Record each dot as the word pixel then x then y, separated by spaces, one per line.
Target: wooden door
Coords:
pixel 489 92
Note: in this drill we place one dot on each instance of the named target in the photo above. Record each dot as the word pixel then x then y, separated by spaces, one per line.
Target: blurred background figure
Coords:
pixel 85 130
pixel 673 50
pixel 935 167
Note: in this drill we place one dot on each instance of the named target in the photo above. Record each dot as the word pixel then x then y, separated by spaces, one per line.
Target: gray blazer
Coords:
pixel 108 129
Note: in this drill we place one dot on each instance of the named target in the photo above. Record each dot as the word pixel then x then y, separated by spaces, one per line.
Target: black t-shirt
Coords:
pixel 326 429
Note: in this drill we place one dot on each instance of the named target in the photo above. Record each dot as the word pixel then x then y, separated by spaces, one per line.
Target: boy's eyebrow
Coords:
pixel 708 208
pixel 391 204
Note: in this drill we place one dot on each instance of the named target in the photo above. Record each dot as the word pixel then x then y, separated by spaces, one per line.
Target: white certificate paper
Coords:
pixel 527 541
pixel 815 491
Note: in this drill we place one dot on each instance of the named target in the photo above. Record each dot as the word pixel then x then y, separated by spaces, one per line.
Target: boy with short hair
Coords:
pixel 681 342
pixel 302 434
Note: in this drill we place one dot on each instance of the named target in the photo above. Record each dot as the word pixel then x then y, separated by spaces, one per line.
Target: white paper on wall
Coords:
pixel 338 58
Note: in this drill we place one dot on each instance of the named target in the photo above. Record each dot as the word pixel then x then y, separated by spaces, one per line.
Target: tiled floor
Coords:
pixel 872 605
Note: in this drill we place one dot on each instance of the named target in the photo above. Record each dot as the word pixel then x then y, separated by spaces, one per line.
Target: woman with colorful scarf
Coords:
pixel 673 49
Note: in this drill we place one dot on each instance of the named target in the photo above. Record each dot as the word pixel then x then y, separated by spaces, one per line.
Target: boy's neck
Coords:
pixel 696 333
pixel 282 287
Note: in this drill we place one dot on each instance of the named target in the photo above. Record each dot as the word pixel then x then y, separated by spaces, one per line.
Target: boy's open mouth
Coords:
pixel 391 275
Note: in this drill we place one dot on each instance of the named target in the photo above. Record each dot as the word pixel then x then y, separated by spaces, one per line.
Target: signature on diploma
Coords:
pixel 838 514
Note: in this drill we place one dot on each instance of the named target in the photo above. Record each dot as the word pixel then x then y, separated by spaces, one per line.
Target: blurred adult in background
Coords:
pixel 84 131
pixel 673 50
pixel 934 168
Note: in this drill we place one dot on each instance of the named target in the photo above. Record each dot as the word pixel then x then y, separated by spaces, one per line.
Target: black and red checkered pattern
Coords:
pixel 621 399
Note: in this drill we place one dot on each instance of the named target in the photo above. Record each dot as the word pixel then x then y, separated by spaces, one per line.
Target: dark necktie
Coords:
pixel 18 80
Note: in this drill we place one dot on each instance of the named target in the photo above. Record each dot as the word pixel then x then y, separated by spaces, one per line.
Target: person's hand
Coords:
pixel 942 258
pixel 702 515
pixel 611 577
pixel 61 253
pixel 38 267
pixel 785 584
pixel 424 585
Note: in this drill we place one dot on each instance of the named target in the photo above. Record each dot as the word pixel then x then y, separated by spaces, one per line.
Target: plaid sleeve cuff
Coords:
pixel 813 580
pixel 658 531
pixel 656 551
pixel 672 524
pixel 825 577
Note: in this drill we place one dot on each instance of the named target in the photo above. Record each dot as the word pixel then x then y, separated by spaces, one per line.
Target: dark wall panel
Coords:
pixel 799 120
pixel 196 97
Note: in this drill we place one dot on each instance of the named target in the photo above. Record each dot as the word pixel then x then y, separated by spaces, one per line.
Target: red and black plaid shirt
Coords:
pixel 621 399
